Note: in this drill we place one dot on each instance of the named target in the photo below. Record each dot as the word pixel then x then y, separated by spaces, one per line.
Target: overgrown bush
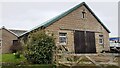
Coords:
pixel 17 55
pixel 39 48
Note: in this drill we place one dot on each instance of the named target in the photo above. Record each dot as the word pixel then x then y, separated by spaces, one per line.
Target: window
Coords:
pixel 100 39
pixel 0 42
pixel 62 38
pixel 83 14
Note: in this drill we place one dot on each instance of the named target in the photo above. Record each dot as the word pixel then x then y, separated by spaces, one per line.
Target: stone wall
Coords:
pixel 74 21
pixel 7 40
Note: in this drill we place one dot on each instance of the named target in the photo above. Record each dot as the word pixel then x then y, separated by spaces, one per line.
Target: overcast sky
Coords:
pixel 27 15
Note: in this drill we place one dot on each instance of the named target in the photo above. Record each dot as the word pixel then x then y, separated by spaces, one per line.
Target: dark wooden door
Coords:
pixel 90 42
pixel 79 42
pixel 84 42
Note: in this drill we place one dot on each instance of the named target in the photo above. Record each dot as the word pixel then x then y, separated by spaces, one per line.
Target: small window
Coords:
pixel 0 43
pixel 83 14
pixel 101 39
pixel 62 38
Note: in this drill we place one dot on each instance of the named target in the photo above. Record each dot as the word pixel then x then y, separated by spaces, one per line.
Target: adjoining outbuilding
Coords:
pixel 77 30
pixel 9 40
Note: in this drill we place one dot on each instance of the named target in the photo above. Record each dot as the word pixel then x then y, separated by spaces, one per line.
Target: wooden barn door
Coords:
pixel 79 42
pixel 90 42
pixel 84 42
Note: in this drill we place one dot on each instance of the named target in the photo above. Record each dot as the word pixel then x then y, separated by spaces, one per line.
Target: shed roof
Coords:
pixel 16 33
pixel 51 21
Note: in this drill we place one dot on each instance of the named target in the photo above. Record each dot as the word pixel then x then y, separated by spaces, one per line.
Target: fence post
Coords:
pixel 119 61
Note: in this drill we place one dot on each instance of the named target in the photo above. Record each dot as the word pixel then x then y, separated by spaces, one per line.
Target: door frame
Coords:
pixel 85 43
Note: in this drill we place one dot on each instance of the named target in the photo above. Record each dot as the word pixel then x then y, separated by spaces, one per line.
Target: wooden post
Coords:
pixel 119 61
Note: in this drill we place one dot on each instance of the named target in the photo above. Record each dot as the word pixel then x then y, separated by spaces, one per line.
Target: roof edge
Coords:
pixel 47 23
pixel 10 31
pixel 51 21
pixel 97 18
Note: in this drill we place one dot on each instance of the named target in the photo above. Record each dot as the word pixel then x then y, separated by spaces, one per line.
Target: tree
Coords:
pixel 39 48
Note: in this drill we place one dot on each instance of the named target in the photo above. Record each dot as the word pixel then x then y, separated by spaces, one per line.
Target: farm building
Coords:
pixel 78 30
pixel 9 39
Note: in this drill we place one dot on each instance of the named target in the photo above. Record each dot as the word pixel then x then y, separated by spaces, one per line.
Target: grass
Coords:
pixel 11 58
pixel 32 66
pixel 0 57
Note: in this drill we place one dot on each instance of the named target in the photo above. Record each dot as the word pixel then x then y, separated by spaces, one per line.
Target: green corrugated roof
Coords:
pixel 49 22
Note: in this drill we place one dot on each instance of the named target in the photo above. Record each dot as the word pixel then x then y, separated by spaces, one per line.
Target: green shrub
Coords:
pixel 17 55
pixel 39 48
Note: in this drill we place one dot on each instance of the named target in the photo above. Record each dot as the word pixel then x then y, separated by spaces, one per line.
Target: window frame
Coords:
pixel 83 12
pixel 0 42
pixel 65 36
pixel 101 38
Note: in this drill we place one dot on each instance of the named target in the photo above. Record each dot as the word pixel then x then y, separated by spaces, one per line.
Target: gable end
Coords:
pixel 51 21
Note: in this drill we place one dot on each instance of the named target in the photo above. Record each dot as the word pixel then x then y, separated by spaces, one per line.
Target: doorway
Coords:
pixel 84 42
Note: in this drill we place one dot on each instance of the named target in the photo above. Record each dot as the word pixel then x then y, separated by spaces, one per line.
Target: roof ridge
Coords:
pixel 10 31
pixel 47 22
pixel 54 19
pixel 16 30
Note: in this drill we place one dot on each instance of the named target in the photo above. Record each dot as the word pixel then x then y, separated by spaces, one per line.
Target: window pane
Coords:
pixel 100 39
pixel 100 35
pixel 62 39
pixel 62 34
